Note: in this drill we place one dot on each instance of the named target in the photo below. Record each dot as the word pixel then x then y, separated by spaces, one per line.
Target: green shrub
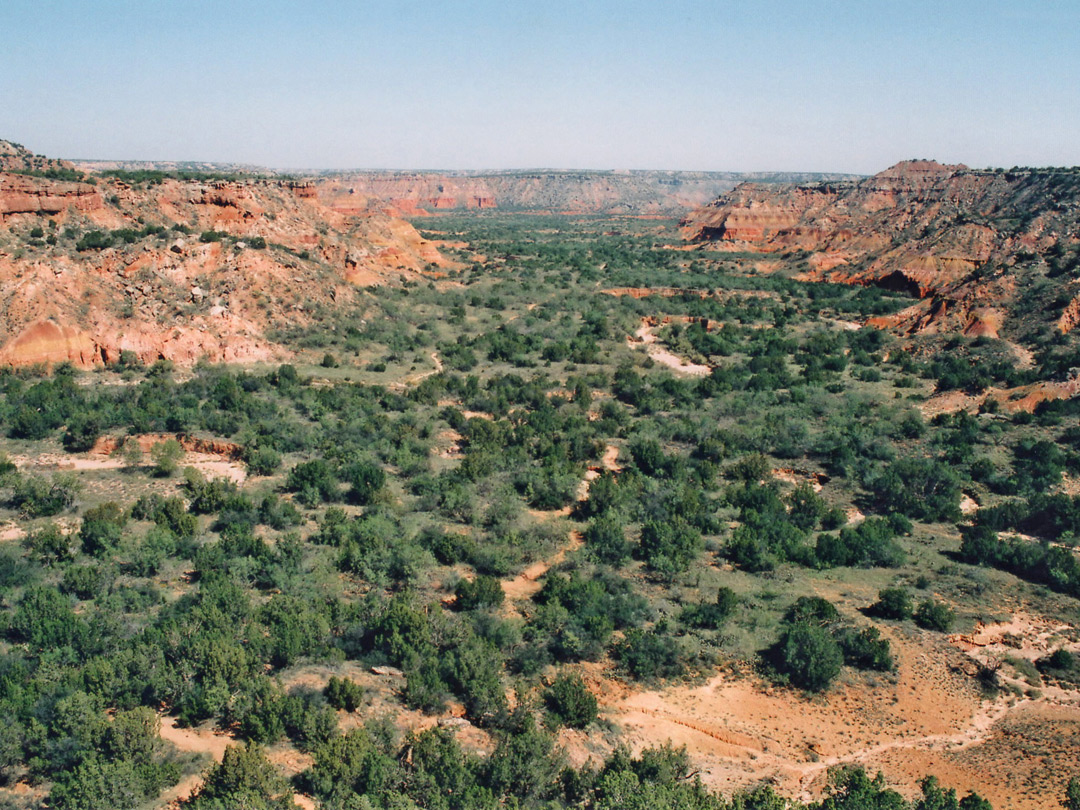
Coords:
pixel 85 581
pixel 812 610
pixel 261 460
pixel 49 544
pixel 366 480
pixel 43 618
pixel 809 656
pixel 313 482
pixel 82 432
pixel 570 701
pixel 166 456
pixel 893 603
pixel 711 615
pixel 865 649
pixel 102 528
pixel 244 778
pixel 649 655
pixel 920 488
pixel 35 496
pixel 605 538
pixel 345 694
pixel 669 546
pixel 482 592
pixel 932 615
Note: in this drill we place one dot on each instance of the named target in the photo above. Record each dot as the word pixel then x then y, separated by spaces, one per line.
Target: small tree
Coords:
pixel 366 479
pixel 102 528
pixel 131 453
pixel 82 431
pixel 809 656
pixel 931 615
pixel 893 603
pixel 36 496
pixel 342 693
pixel 711 615
pixel 484 591
pixel 570 701
pixel 1072 795
pixel 605 538
pixel 166 456
pixel 49 544
pixel 812 610
pixel 920 488
pixel 244 779
pixel 669 547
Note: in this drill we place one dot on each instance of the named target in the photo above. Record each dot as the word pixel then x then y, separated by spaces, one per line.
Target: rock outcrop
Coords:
pixel 21 194
pixel 180 270
pixel 971 245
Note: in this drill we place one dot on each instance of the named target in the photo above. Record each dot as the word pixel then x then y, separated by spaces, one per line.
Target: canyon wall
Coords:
pixel 632 193
pixel 977 248
pixel 177 269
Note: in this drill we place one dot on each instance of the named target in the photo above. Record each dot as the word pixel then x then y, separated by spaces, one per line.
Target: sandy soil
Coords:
pixel 210 465
pixel 1010 400
pixel 790 476
pixel 413 379
pixel 202 740
pixel 1025 358
pixel 927 718
pixel 610 459
pixel 526 584
pixel 646 336
pixel 11 531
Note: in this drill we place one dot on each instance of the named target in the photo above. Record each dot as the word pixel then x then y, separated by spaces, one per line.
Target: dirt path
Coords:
pixel 646 336
pixel 928 717
pixel 977 731
pixel 413 379
pixel 610 459
pixel 208 741
pixel 1025 358
pixel 526 584
pixel 731 758
pixel 195 740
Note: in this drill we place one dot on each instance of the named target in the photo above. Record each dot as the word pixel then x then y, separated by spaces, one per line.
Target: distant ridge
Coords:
pixel 615 192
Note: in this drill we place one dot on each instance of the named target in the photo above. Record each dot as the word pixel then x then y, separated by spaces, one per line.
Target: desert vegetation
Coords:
pixel 430 570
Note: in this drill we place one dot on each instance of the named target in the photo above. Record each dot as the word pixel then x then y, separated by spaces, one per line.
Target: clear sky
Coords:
pixel 815 85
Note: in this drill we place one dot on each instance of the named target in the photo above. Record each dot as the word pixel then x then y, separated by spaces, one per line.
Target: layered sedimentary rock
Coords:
pixel 635 193
pixel 20 194
pixel 969 244
pixel 180 269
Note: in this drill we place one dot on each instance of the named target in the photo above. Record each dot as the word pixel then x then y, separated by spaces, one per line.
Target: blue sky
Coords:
pixel 820 85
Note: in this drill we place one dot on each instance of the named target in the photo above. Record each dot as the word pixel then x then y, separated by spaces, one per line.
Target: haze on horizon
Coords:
pixel 823 85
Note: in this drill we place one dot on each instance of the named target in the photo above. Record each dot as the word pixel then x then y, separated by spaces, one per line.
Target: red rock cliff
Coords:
pixel 965 241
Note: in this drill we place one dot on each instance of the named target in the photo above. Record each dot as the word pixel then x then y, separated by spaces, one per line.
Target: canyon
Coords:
pixel 984 252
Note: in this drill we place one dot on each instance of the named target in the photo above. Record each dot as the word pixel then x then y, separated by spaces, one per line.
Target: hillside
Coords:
pixel 986 252
pixel 181 270
pixel 638 193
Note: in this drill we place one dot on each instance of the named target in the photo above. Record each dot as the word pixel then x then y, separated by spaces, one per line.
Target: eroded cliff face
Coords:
pixel 32 195
pixel 182 270
pixel 637 193
pixel 968 244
